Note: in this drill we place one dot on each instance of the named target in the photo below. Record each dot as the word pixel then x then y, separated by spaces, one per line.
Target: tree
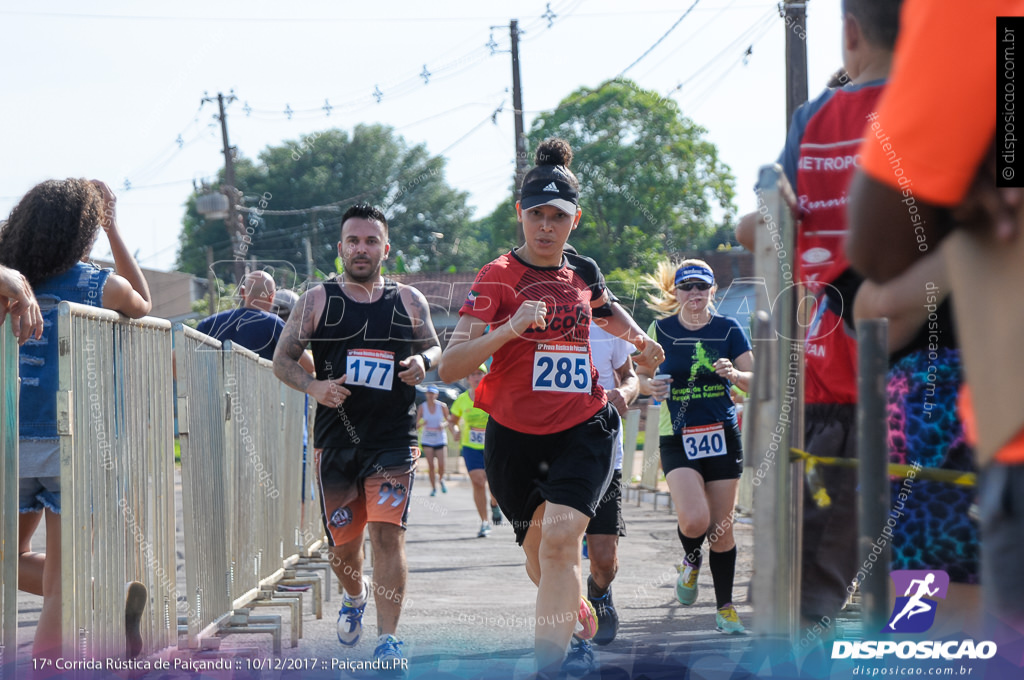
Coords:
pixel 327 168
pixel 650 184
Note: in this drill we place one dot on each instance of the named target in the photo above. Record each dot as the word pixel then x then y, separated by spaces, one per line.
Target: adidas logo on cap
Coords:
pixel 550 187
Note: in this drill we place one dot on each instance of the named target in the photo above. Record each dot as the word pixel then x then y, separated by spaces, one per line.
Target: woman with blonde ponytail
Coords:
pixel 705 354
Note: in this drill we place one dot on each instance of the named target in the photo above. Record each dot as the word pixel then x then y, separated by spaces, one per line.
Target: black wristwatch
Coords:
pixel 426 362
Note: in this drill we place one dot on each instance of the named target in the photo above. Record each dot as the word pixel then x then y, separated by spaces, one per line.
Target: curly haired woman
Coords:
pixel 47 238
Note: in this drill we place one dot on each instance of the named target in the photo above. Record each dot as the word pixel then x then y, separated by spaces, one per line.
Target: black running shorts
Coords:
pixel 608 519
pixel 572 467
pixel 726 465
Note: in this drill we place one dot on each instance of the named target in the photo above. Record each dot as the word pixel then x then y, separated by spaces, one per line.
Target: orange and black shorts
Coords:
pixel 363 485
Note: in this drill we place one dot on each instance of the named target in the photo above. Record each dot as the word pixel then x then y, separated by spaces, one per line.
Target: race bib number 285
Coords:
pixel 371 368
pixel 562 367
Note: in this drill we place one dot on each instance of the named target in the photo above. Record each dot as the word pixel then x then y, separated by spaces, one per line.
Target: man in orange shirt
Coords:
pixel 927 167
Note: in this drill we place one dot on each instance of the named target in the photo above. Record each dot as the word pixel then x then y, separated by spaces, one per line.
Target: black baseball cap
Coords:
pixel 551 191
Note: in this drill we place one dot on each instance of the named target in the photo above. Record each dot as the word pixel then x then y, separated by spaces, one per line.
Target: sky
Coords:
pixel 113 90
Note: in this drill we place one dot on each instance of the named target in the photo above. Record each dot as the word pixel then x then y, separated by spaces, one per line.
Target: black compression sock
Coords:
pixel 691 546
pixel 723 570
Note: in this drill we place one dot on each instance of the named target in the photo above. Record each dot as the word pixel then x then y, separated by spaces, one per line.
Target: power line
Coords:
pixel 446 70
pixel 764 20
pixel 703 96
pixel 685 43
pixel 319 20
pixel 658 41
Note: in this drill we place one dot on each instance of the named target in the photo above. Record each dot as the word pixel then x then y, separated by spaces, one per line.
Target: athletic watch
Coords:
pixel 426 362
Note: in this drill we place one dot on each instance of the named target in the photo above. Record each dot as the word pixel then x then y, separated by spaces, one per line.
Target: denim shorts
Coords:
pixel 36 493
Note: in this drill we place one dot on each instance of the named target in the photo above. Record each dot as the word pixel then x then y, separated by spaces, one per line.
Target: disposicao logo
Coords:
pixel 914 612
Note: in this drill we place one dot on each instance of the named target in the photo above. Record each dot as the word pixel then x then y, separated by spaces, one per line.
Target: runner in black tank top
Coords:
pixel 370 337
pixel 372 342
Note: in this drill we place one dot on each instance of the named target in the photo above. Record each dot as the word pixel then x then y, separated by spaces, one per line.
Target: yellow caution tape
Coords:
pixel 957 477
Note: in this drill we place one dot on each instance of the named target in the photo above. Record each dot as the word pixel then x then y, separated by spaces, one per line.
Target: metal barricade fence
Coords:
pixel 776 414
pixel 311 534
pixel 291 417
pixel 255 471
pixel 115 421
pixel 8 500
pixel 205 505
pixel 630 433
pixel 241 455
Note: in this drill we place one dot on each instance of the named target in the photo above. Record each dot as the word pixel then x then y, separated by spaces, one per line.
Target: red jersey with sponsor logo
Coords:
pixel 543 381
pixel 829 133
pixel 830 355
pixel 829 153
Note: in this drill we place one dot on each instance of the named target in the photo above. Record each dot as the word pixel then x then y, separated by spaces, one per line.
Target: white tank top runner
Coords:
pixel 434 434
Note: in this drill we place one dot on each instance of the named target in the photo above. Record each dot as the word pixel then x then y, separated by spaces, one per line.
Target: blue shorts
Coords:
pixel 36 493
pixel 474 458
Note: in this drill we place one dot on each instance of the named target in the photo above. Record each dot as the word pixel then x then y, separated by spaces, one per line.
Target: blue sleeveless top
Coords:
pixel 83 283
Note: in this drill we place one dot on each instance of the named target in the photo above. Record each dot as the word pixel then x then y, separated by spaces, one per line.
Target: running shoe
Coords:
pixel 686 584
pixel 389 654
pixel 586 620
pixel 134 604
pixel 350 617
pixel 580 660
pixel 433 492
pixel 728 621
pixel 495 515
pixel 485 530
pixel 607 617
pixel 444 489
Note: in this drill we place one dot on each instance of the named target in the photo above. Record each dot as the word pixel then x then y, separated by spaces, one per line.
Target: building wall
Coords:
pixel 173 292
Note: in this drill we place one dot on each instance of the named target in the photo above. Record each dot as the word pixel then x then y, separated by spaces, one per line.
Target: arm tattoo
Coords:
pixel 422 326
pixel 290 347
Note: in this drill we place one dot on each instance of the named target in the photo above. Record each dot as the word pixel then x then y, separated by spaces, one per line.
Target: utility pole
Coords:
pixel 517 106
pixel 232 221
pixel 309 263
pixel 313 237
pixel 795 16
pixel 211 282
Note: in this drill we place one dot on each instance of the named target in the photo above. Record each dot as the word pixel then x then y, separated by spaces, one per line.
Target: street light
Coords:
pixel 436 236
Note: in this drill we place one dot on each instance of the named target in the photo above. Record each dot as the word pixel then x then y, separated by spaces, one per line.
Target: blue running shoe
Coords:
pixel 389 654
pixel 607 617
pixel 350 618
pixel 580 660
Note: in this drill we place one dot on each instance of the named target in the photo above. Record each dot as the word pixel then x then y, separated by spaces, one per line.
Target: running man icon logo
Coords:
pixel 914 612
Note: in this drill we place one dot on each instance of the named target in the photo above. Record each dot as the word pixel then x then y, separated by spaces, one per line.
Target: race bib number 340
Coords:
pixel 704 441
pixel 562 367
pixel 373 368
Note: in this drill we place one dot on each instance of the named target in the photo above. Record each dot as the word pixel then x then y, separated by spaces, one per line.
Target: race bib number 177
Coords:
pixel 373 368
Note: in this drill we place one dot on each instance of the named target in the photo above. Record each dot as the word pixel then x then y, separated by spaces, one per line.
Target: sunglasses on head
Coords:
pixel 690 285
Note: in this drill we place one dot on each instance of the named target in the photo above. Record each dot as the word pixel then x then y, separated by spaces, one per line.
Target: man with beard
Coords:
pixel 372 342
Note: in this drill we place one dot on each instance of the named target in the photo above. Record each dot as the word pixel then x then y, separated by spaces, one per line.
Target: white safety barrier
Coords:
pixel 630 433
pixel 256 469
pixel 8 500
pixel 775 414
pixel 311 537
pixel 205 511
pixel 115 420
pixel 241 454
